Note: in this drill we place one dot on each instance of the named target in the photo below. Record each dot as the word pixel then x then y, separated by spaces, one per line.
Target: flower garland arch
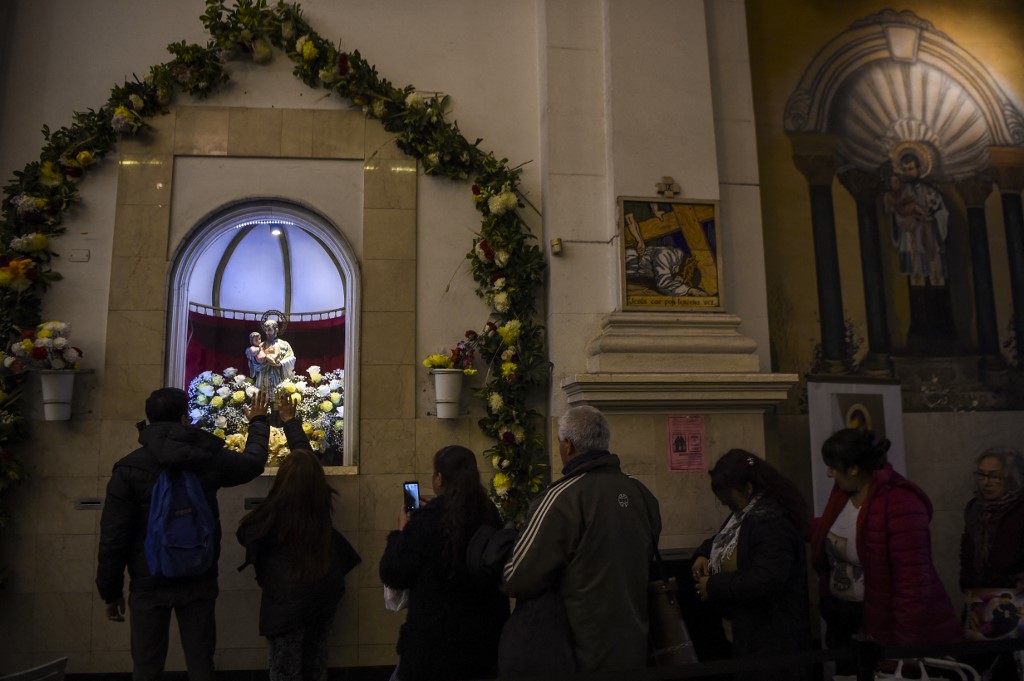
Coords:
pixel 507 265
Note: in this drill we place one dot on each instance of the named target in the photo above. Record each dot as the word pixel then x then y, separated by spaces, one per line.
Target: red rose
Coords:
pixel 492 327
pixel 508 438
pixel 497 275
pixel 39 353
pixel 456 354
pixel 472 335
pixel 476 190
pixel 343 63
pixel 28 334
pixel 32 274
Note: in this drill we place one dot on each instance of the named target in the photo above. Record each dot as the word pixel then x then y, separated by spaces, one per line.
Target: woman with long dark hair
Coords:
pixel 872 550
pixel 454 621
pixel 755 568
pixel 301 562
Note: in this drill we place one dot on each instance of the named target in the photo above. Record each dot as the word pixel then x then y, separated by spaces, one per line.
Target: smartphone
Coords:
pixel 412 496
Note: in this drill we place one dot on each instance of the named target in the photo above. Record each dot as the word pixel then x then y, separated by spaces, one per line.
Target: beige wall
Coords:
pixel 566 85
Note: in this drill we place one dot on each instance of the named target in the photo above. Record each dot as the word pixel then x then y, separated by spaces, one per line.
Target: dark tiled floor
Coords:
pixel 344 674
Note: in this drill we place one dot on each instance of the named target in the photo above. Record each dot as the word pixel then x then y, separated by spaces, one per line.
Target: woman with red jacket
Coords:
pixel 872 550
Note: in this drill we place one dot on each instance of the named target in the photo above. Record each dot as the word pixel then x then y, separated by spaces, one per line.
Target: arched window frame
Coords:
pixel 211 228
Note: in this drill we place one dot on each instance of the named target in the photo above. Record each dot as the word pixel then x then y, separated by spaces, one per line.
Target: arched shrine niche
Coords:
pixel 913 127
pixel 259 301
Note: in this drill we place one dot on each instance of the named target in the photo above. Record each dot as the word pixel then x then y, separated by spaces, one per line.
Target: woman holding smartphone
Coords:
pixel 454 622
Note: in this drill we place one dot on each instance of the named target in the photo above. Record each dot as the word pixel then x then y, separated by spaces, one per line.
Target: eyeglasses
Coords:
pixel 982 475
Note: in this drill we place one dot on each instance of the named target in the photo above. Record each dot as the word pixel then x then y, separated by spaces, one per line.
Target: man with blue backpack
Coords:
pixel 161 521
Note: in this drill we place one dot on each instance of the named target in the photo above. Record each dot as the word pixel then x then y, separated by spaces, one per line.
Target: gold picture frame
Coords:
pixel 671 257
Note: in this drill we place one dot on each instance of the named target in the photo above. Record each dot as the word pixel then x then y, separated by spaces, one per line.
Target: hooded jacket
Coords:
pixel 126 507
pixel 905 604
pixel 591 536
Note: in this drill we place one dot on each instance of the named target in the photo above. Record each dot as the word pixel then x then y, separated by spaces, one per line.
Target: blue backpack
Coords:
pixel 181 534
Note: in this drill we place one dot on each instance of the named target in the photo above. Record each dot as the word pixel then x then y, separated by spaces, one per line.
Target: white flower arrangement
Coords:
pixel 216 402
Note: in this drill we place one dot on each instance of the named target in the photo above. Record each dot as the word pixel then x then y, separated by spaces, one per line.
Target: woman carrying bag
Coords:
pixel 755 568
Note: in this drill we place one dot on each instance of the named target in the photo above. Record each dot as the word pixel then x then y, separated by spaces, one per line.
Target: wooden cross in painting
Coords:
pixel 667 187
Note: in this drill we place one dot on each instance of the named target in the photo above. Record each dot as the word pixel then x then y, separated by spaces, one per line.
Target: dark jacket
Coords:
pixel 126 507
pixel 288 603
pixel 766 597
pixel 905 603
pixel 1005 562
pixel 454 621
pixel 591 536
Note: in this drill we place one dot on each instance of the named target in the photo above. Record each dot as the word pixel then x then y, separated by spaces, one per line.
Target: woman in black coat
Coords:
pixel 301 562
pixel 755 568
pixel 454 621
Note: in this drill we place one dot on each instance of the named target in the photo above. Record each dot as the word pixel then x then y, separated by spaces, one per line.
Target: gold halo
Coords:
pixel 918 150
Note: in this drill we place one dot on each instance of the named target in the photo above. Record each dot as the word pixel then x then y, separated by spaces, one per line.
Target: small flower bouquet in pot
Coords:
pixel 45 348
pixel 459 357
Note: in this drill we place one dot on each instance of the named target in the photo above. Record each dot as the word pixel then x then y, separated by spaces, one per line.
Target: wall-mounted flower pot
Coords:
pixel 447 391
pixel 58 387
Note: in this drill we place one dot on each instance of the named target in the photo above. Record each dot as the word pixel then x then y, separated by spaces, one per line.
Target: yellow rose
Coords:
pixel 338 425
pixel 49 175
pixel 296 398
pixel 307 428
pixel 44 334
pixel 290 387
pixel 219 432
pixel 85 158
pixel 326 406
pixel 238 397
pixel 318 435
pixel 217 402
pixel 335 397
pixel 201 400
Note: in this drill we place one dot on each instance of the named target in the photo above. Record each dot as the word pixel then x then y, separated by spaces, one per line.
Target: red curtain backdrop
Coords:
pixel 216 343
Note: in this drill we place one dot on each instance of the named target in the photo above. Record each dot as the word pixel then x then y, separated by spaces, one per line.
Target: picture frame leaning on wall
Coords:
pixel 670 258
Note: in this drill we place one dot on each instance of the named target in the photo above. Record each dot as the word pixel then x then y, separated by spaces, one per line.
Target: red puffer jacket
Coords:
pixel 905 604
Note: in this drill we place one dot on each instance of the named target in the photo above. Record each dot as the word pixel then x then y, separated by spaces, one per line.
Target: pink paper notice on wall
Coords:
pixel 686 443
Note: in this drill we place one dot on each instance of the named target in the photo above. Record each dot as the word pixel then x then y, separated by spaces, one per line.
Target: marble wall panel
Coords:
pixel 297 133
pixel 62 623
pixel 65 448
pixel 138 284
pixel 377 625
pixel 144 179
pixel 389 234
pixel 254 132
pixel 146 331
pixel 201 131
pixel 141 230
pixel 387 391
pixel 388 338
pixel 390 286
pixel 389 184
pixel 338 134
pixel 387 446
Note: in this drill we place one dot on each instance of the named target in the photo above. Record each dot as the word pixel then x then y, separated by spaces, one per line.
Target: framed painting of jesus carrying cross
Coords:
pixel 670 254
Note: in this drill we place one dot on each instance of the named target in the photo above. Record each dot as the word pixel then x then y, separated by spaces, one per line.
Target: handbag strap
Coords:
pixel 654 538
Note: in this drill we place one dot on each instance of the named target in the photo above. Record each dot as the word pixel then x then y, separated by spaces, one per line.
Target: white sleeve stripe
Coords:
pixel 525 541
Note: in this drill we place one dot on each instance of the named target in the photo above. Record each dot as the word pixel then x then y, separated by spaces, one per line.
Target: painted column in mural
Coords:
pixel 1008 164
pixel 814 156
pixel 866 187
pixel 974 193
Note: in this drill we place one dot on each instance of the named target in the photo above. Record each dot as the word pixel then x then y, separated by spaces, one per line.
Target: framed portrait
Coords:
pixel 835 402
pixel 670 254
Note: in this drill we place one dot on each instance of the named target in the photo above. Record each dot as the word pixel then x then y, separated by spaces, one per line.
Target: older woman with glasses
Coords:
pixel 992 547
pixel 992 553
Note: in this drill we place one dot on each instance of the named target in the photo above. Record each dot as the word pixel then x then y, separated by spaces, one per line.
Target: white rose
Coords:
pixel 323 390
pixel 501 302
pixel 251 390
pixel 230 372
pixel 414 100
pixel 335 385
pixel 220 422
pixel 207 390
pixel 501 258
pixel 224 392
pixel 60 343
pixel 195 415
